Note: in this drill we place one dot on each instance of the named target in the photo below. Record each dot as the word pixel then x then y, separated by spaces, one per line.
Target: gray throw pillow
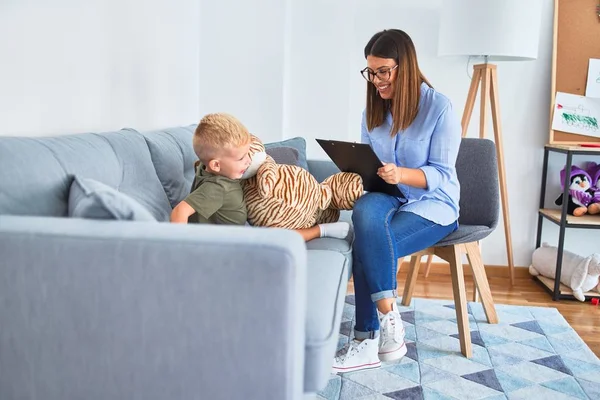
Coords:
pixel 297 143
pixel 284 155
pixel 89 198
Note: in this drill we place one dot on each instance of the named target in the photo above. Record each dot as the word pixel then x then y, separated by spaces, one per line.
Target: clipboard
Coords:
pixel 362 160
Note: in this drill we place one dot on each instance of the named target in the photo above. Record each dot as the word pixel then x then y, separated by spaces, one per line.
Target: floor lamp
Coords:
pixel 506 30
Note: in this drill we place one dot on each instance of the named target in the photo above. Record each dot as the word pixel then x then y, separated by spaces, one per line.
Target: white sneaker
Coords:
pixel 391 337
pixel 356 355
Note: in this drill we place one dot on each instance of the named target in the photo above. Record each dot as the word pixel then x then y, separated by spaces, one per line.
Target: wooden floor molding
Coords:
pixel 583 317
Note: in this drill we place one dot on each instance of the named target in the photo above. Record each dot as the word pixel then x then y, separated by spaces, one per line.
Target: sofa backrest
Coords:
pixel 156 168
pixel 36 173
pixel 173 157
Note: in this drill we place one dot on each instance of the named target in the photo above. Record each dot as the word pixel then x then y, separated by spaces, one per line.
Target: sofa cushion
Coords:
pixel 173 158
pixel 297 143
pixel 89 198
pixel 342 246
pixel 36 173
pixel 327 280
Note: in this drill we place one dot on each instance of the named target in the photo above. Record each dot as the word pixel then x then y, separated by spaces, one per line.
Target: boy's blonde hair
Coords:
pixel 217 132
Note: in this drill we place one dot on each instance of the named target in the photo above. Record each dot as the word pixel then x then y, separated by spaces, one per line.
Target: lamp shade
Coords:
pixel 503 30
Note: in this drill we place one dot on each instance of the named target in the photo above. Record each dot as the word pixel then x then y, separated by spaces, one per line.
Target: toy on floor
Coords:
pixel 288 196
pixel 593 170
pixel 581 274
pixel 580 193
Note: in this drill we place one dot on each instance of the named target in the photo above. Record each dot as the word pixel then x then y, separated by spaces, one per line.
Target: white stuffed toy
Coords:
pixel 581 274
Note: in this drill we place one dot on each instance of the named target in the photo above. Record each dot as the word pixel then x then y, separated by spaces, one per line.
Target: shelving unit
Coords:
pixel 562 219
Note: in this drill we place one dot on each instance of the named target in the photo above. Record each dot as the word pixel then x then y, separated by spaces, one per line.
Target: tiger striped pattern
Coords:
pixel 287 196
pixel 256 145
pixel 284 196
pixel 346 187
pixel 327 216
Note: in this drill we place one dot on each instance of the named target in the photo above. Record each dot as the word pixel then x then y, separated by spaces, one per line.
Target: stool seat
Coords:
pixel 466 233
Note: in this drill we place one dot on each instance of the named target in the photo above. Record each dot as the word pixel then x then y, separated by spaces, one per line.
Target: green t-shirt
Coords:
pixel 216 199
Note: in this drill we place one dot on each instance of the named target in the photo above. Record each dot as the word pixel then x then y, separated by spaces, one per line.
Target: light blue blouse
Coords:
pixel 430 143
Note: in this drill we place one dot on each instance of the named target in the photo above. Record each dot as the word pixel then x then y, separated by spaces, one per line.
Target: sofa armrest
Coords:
pixel 110 309
pixel 322 169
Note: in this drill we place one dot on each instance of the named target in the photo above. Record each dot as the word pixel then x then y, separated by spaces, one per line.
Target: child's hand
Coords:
pixel 390 173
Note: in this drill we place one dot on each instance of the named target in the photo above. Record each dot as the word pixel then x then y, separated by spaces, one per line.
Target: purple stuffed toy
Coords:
pixel 580 193
pixel 593 170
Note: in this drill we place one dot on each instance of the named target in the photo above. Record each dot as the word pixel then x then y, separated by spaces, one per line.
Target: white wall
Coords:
pixel 326 97
pixel 70 66
pixel 73 66
pixel 241 62
pixel 285 68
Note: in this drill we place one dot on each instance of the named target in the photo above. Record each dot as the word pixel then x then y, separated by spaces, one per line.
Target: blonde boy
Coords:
pixel 221 143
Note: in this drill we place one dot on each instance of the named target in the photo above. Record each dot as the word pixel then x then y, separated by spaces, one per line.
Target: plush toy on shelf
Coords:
pixel 581 274
pixel 580 193
pixel 593 170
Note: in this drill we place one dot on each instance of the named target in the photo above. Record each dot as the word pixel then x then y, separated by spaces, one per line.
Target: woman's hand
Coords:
pixel 390 173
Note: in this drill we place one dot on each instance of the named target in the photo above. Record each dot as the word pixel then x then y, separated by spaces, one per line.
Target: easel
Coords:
pixel 486 75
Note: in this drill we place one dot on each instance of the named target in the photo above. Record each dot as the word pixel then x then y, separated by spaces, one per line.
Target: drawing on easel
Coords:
pixel 576 114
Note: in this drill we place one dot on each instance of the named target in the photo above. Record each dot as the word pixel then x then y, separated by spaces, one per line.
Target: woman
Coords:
pixel 416 135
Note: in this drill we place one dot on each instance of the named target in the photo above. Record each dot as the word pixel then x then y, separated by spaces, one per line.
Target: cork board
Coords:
pixel 576 40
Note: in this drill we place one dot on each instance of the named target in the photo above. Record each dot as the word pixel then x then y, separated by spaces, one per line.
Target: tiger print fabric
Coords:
pixel 327 216
pixel 288 196
pixel 284 196
pixel 346 188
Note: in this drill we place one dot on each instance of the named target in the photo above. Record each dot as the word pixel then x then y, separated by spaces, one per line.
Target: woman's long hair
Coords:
pixel 396 44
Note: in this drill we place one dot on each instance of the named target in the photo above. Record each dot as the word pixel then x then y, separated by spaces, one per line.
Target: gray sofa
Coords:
pixel 119 309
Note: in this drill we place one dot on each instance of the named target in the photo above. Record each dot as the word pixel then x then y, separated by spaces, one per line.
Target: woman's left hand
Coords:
pixel 390 173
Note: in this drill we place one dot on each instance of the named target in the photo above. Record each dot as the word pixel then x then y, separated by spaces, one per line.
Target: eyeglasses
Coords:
pixel 383 73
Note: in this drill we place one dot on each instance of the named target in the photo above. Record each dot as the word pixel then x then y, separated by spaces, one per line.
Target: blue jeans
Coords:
pixel 383 234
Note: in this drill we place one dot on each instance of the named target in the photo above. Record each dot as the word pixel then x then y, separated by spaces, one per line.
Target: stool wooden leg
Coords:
pixel 429 260
pixel 481 282
pixel 452 254
pixel 411 279
pixel 475 290
pixel 475 294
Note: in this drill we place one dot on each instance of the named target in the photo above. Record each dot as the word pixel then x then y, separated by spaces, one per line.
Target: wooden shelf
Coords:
pixel 574 148
pixel 587 221
pixel 564 290
pixel 555 215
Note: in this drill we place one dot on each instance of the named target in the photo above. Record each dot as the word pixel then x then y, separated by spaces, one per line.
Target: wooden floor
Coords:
pixel 583 317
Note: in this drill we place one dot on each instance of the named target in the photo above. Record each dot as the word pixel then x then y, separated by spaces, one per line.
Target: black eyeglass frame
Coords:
pixel 371 74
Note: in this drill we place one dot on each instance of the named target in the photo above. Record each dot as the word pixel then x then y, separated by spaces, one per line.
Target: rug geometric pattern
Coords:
pixel 532 353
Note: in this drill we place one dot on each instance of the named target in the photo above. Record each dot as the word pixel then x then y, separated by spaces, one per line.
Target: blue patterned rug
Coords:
pixel 532 353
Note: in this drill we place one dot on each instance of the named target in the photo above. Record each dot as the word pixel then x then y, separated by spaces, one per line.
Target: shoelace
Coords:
pixel 348 350
pixel 389 321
